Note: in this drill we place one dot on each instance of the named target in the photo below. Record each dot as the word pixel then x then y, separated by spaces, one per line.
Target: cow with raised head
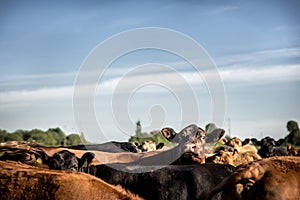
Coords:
pixel 189 139
pixel 155 178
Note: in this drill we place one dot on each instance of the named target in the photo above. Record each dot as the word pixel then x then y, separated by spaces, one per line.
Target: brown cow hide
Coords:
pixel 21 181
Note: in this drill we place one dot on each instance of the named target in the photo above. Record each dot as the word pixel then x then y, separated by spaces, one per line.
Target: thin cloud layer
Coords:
pixel 245 76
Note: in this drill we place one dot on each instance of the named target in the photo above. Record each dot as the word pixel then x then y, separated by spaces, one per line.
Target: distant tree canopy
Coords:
pixel 51 137
pixel 154 136
pixel 293 137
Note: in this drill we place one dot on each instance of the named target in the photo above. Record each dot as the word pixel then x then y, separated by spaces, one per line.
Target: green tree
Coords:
pixel 51 137
pixel 154 136
pixel 16 136
pixel 138 131
pixel 293 137
pixel 83 138
pixel 25 134
pixel 43 138
pixel 74 139
pixel 3 135
pixel 59 136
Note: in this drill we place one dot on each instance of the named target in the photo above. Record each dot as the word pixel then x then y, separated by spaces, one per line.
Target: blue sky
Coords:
pixel 255 46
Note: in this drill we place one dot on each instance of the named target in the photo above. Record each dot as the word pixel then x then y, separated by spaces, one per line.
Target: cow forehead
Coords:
pixel 196 136
pixel 189 131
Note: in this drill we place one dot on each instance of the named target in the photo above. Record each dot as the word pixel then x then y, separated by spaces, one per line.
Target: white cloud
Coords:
pixel 35 95
pixel 234 75
pixel 258 56
pixel 261 75
pixel 240 69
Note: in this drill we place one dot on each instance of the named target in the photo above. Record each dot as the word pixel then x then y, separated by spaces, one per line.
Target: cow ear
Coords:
pixel 279 142
pixel 160 145
pixel 255 142
pixel 222 133
pixel 168 133
pixel 217 134
pixel 201 132
pixel 246 141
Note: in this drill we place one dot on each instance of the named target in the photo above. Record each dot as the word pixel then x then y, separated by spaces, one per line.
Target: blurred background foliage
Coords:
pixel 56 137
pixel 154 136
pixel 51 137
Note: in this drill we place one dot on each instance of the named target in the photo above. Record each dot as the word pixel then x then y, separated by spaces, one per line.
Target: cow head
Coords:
pixel 63 160
pixel 237 143
pixel 189 139
pixel 223 157
pixel 267 145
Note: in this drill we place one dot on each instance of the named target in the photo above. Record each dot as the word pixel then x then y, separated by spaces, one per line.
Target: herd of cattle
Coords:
pixel 200 166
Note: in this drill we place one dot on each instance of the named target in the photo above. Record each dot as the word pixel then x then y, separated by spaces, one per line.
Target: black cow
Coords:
pixel 63 160
pixel 189 139
pixel 270 147
pixel 112 147
pixel 174 182
pixel 66 160
pixel 154 178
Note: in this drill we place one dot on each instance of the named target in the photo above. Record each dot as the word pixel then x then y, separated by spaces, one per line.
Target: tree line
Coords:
pixel 154 136
pixel 50 137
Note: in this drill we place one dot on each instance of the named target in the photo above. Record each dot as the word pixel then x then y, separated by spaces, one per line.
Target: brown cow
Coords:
pixel 20 181
pixel 233 158
pixel 239 145
pixel 267 179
